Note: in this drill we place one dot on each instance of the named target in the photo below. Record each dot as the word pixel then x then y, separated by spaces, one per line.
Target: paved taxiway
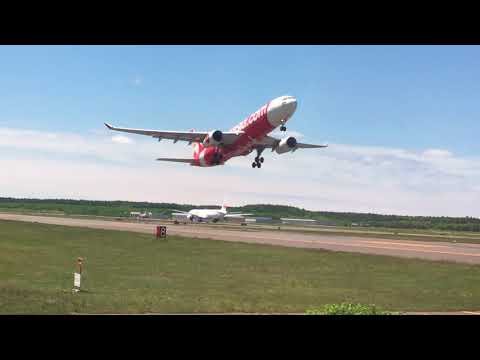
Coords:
pixel 458 252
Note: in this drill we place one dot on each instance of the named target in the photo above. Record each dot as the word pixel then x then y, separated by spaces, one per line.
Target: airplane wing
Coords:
pixel 310 146
pixel 272 143
pixel 189 136
pixel 178 212
pixel 237 215
pixel 188 161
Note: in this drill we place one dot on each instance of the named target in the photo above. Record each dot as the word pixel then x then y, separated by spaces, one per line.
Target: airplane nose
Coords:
pixel 281 109
pixel 290 103
pixel 293 103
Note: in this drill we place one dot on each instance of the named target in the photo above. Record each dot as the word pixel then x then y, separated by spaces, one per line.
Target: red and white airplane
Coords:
pixel 216 147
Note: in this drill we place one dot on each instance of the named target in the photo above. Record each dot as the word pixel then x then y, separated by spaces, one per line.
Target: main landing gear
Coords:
pixel 258 160
pixel 283 128
pixel 217 157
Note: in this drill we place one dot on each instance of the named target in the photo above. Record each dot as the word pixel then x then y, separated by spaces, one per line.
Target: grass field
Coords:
pixel 135 273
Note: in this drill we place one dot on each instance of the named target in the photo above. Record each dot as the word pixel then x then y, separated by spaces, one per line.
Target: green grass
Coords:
pixel 135 273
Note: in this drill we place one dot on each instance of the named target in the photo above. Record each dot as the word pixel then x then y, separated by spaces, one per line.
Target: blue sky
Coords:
pixel 409 98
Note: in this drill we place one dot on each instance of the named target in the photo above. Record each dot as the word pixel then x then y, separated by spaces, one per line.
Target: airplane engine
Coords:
pixel 214 138
pixel 286 145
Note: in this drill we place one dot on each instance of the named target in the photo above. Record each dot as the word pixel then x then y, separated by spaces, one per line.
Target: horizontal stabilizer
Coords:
pixel 188 161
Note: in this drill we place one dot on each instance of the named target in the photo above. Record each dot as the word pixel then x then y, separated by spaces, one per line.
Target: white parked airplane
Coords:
pixel 207 215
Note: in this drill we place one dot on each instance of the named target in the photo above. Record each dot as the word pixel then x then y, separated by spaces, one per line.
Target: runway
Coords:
pixel 456 252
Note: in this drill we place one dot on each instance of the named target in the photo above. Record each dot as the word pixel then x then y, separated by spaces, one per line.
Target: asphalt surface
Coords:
pixel 456 252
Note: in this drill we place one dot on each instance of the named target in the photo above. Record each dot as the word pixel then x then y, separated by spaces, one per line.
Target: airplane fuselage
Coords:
pixel 207 214
pixel 251 130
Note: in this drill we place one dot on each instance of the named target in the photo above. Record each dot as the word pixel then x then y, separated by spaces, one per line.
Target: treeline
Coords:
pixel 406 222
pixel 123 208
pixel 89 207
pixel 368 219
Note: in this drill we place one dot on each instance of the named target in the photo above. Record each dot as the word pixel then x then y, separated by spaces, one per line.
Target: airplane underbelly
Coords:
pixel 259 128
pixel 241 147
pixel 244 145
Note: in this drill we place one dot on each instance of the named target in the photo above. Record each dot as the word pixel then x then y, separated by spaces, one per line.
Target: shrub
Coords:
pixel 347 309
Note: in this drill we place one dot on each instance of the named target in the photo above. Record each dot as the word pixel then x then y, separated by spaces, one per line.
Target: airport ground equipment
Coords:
pixel 161 232
pixel 77 276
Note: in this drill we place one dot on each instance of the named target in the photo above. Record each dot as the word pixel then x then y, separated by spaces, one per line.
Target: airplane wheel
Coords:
pixel 261 159
pixel 259 165
pixel 254 165
pixel 283 128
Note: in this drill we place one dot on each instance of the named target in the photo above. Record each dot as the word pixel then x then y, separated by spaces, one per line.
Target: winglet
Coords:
pixel 109 126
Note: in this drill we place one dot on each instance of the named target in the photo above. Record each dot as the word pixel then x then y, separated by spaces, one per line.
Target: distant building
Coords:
pixel 138 214
pixel 259 219
pixel 298 221
pixel 326 223
pixel 180 218
pixel 306 222
pixel 236 220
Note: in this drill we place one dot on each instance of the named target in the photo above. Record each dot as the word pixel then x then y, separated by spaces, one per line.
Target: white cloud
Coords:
pixel 437 153
pixel 338 178
pixel 122 139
